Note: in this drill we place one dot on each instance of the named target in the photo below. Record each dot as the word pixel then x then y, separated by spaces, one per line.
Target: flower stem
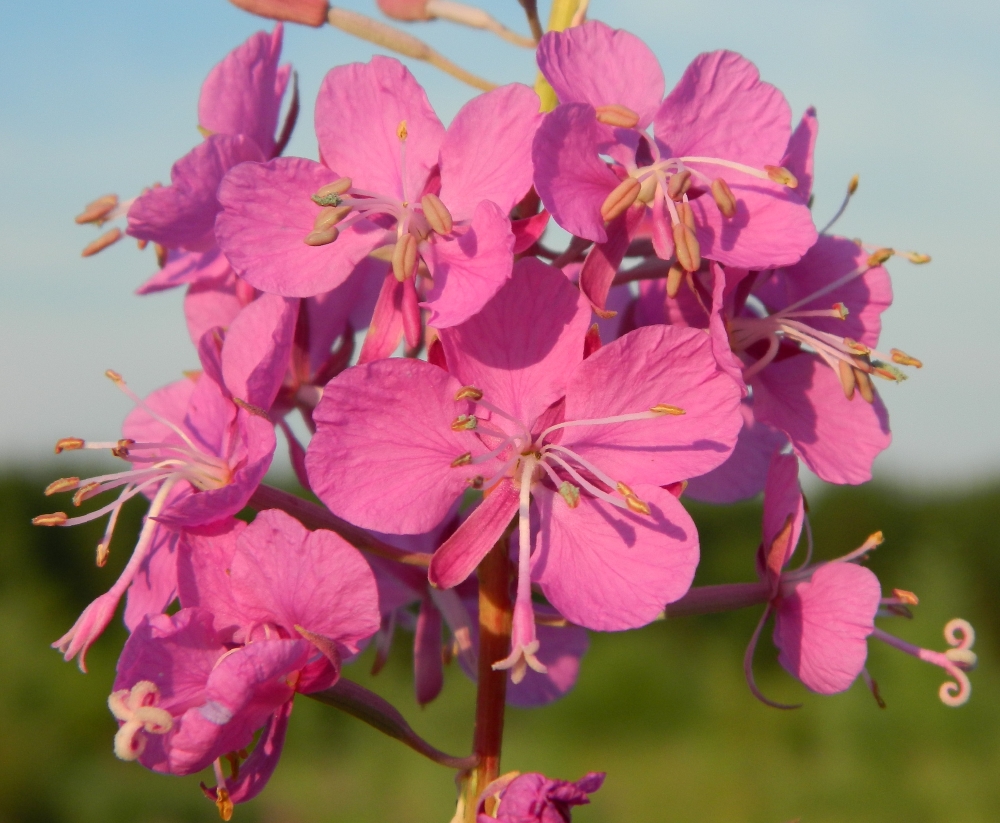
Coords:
pixel 495 610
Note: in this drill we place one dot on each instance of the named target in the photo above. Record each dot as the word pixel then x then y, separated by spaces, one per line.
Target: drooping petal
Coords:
pixel 263 760
pixel 783 506
pixel 383 450
pixel 837 438
pixel 721 108
pixel 187 267
pixel 469 268
pixel 428 672
pixel 358 112
pixel 821 628
pixel 211 304
pixel 570 176
pixel 486 153
pixel 155 584
pixel 596 64
pixel 648 367
pixel 798 157
pixel 286 575
pixel 267 212
pixel 242 95
pixel 183 213
pixel 610 569
pixel 561 650
pixel 523 345
pixel 255 356
pixel 458 556
pixel 386 327
pixel 603 260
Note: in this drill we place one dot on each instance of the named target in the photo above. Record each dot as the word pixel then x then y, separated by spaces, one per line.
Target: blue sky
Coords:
pixel 101 97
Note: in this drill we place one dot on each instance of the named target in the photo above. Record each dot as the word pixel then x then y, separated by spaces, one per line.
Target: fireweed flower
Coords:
pixel 392 179
pixel 709 177
pixel 268 610
pixel 198 447
pixel 534 798
pixel 522 415
pixel 825 612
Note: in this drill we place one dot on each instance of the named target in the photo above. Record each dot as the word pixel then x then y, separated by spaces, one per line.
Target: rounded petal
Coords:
pixel 837 438
pixel 183 213
pixel 469 268
pixel 155 584
pixel 720 108
pixel 486 153
pixel 358 111
pixel 610 569
pixel 647 367
pixel 383 450
pixel 267 211
pixel 255 356
pixel 522 347
pixel 821 628
pixel 596 64
pixel 570 176
pixel 561 650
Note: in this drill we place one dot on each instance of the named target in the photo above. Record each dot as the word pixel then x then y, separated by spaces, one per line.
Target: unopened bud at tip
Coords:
pixel 781 175
pixel 54 519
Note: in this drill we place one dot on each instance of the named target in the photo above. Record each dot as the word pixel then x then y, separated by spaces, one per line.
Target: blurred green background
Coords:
pixel 664 710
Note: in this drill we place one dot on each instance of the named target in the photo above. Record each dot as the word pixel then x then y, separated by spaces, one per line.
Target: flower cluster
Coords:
pixel 471 392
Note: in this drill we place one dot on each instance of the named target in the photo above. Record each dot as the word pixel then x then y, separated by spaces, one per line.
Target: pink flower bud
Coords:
pixel 307 12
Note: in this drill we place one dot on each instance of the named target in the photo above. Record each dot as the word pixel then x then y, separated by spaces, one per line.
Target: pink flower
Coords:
pixel 521 414
pixel 710 177
pixel 534 798
pixel 397 180
pixel 270 609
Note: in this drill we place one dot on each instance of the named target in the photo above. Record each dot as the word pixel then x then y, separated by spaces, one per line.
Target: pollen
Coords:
pixel 401 131
pixel 462 460
pixel 638 506
pixel 779 174
pixel 570 493
pixel 464 422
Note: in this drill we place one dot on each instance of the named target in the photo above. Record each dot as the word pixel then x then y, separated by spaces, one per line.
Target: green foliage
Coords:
pixel 663 710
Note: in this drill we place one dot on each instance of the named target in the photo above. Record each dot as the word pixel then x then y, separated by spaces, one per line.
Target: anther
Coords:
pixel 847 380
pixel 916 257
pixel 464 422
pixel 853 185
pixel 322 238
pixel 570 493
pixel 84 492
pixel 68 444
pixel 909 598
pixel 103 551
pixel 675 276
pixel 638 506
pixel 856 347
pixel 223 804
pixel 664 408
pixel 404 257
pixel 401 131
pixel 621 117
pixel 621 197
pixel 469 393
pixel 330 216
pixel 64 484
pixel 724 197
pixel 97 210
pixel 841 309
pixel 257 411
pixel 54 519
pixel 865 388
pixel 624 490
pixel 876 539
pixel 477 481
pixel 113 376
pixel 879 256
pixel 161 254
pixel 686 247
pixel 779 174
pixel 903 359
pixel 686 214
pixel 109 238
pixel 437 214
pixel 678 185
pixel 329 195
pixel 462 460
pixel 120 449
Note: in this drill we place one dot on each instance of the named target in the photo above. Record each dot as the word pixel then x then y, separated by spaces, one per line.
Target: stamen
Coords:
pixel 852 187
pixel 329 195
pixel 404 257
pixel 330 216
pixel 724 197
pixel 321 238
pixel 131 395
pixel 436 213
pixel 901 357
pixel 97 210
pixel 847 380
pixel 656 411
pixel 617 116
pixel 909 598
pixel 462 460
pixel 621 197
pixel 469 393
pixel 879 256
pixel 865 387
pixel 84 492
pixel 781 175
pixel 109 238
pixel 64 484
pixel 678 185
pixel 54 519
pixel 570 493
pixel 686 247
pixel 663 408
pixel 67 444
pixel 915 257
pixel 464 422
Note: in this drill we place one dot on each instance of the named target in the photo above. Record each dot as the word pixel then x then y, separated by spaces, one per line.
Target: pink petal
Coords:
pixel 647 367
pixel 187 267
pixel 386 327
pixel 743 474
pixel 798 157
pixel 211 304
pixel 469 268
pixel 783 500
pixel 351 303
pixel 459 555
pixel 522 347
pixel 428 672
pixel 170 402
pixel 183 213
pixel 155 584
pixel 601 66
pixel 382 453
pixel 720 108
pixel 822 626
pixel 358 111
pixel 837 438
pixel 609 569
pixel 604 259
pixel 203 580
pixel 486 153
pixel 529 231
pixel 242 95
pixel 561 650
pixel 255 356
pixel 263 760
pixel 570 177
pixel 285 575
pixel 267 211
